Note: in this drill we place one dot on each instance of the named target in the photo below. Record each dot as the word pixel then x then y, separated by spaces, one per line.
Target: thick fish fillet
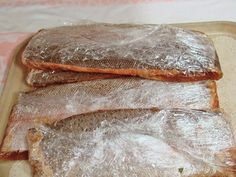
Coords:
pixel 40 78
pixel 151 51
pixel 61 101
pixel 169 143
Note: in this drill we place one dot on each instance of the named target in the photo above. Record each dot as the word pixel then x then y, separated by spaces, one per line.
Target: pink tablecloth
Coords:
pixel 20 17
pixel 8 42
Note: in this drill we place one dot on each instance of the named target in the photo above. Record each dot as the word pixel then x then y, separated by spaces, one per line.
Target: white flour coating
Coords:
pixel 122 93
pixel 154 144
pixel 146 46
pixel 58 102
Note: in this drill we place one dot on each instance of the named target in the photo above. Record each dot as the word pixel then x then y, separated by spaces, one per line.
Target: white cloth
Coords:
pixel 25 17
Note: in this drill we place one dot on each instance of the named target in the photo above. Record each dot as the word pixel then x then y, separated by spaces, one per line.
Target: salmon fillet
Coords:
pixel 57 102
pixel 40 78
pixel 140 142
pixel 151 51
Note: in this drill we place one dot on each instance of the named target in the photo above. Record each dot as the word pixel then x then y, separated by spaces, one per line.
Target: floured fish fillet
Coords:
pixel 151 51
pixel 40 78
pixel 169 143
pixel 61 101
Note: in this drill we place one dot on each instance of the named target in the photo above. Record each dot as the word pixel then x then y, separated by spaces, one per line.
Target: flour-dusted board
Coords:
pixel 223 35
